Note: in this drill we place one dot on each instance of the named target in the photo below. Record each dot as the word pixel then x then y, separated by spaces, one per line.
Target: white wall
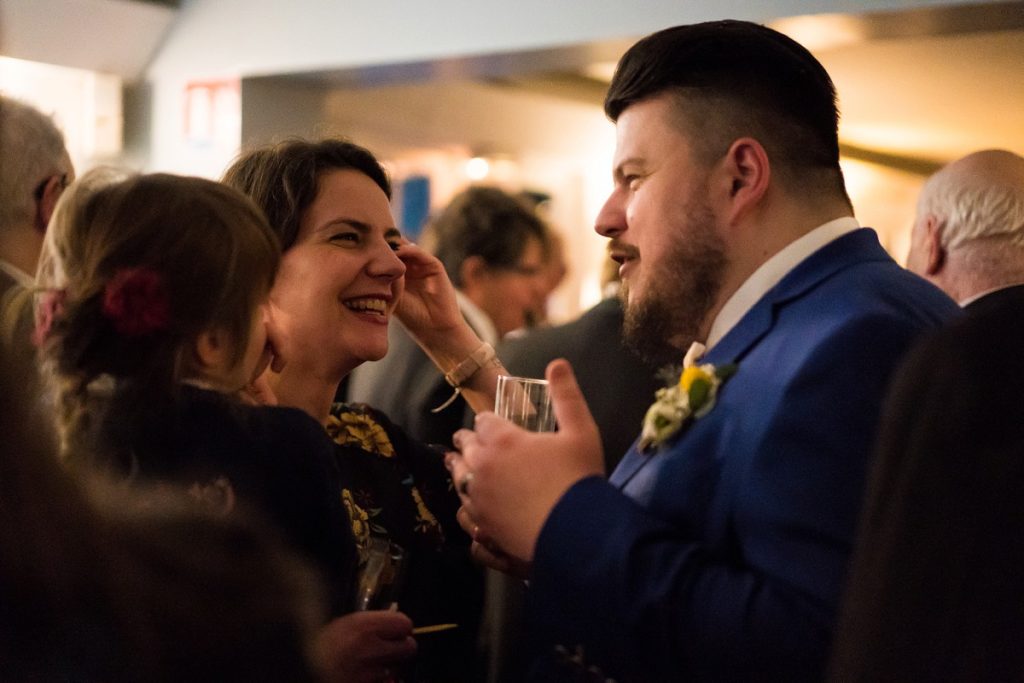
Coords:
pixel 85 105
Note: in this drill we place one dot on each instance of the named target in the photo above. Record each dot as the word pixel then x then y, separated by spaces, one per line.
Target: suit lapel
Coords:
pixel 630 464
pixel 855 247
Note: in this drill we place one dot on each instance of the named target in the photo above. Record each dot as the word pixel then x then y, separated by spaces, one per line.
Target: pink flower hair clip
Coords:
pixel 48 310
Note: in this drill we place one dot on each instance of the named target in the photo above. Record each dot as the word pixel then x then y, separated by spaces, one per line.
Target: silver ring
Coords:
pixel 464 483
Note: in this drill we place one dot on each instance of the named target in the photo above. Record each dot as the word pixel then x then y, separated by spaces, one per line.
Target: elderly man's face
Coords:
pixel 663 231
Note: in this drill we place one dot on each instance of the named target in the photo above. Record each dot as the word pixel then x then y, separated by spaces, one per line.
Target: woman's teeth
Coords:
pixel 368 305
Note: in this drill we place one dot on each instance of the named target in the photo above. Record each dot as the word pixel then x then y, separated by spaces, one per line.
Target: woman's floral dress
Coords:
pixel 398 489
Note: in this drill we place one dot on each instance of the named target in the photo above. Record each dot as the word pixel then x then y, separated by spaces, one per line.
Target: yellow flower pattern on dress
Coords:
pixel 360 520
pixel 352 428
pixel 426 522
pixel 354 425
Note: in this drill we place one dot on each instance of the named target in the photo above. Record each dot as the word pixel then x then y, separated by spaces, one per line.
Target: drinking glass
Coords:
pixel 380 575
pixel 525 402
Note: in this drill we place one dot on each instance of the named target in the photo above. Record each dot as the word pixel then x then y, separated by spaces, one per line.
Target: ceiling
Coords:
pixel 917 88
pixel 75 33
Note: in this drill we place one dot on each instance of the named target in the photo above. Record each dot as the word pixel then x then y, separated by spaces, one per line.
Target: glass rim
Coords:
pixel 523 380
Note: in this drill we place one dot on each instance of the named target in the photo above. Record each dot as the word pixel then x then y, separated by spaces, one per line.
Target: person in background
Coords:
pixel 152 319
pixel 617 383
pixel 34 170
pixel 345 271
pixel 935 584
pixel 556 269
pixel 493 247
pixel 718 548
pixel 968 237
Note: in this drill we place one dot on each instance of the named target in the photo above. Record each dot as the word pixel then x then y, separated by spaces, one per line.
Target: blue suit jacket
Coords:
pixel 723 555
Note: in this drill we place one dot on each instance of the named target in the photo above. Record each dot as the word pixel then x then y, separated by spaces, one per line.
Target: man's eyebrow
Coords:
pixel 392 232
pixel 618 173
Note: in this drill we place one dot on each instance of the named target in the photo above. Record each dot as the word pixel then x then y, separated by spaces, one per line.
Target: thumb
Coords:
pixel 567 400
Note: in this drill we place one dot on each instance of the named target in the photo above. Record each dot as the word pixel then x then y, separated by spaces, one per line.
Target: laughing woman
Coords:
pixel 346 269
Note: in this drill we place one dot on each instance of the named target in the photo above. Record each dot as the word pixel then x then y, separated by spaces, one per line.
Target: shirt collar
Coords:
pixel 20 276
pixel 477 319
pixel 772 271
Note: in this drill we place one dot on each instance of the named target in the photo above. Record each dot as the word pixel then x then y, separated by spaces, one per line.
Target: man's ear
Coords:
pixel 472 271
pixel 213 350
pixel 933 242
pixel 47 202
pixel 743 175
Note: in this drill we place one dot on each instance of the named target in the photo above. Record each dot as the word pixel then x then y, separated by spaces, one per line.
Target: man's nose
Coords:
pixel 611 219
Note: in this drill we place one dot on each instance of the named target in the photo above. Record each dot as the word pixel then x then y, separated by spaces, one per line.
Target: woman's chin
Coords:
pixel 366 355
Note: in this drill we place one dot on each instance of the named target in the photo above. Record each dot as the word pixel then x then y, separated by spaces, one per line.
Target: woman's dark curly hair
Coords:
pixel 283 180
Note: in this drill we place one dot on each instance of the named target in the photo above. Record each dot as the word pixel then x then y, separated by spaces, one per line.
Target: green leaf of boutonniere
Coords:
pixel 699 390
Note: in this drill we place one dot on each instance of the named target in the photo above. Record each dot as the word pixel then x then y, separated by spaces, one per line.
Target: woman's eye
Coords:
pixel 350 237
pixel 395 245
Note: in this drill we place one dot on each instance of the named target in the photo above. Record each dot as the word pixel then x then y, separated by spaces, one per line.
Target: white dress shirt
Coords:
pixel 477 319
pixel 772 271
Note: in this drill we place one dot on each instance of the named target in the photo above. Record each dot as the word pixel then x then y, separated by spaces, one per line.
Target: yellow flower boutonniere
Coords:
pixel 692 396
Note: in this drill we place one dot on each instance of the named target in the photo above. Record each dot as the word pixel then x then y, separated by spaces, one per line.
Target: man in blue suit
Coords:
pixel 718 547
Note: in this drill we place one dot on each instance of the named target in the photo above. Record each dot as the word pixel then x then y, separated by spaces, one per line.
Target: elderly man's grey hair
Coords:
pixel 31 150
pixel 979 196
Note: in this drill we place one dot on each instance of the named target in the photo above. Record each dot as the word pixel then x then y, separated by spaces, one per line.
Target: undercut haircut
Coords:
pixel 736 79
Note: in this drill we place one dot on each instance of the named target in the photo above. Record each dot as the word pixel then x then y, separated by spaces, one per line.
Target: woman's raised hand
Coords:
pixel 430 312
pixel 428 306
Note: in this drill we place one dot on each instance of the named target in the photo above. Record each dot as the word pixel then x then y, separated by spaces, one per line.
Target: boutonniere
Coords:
pixel 693 396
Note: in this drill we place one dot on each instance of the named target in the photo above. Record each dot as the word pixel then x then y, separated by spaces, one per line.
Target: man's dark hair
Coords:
pixel 484 222
pixel 736 79
pixel 283 180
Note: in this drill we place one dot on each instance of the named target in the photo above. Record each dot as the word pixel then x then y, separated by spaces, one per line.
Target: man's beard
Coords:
pixel 668 319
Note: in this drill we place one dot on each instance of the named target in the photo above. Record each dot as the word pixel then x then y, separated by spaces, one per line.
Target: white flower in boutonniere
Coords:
pixel 692 396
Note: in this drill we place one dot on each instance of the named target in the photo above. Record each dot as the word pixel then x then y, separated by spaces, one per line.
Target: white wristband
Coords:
pixel 462 372
pixel 458 375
